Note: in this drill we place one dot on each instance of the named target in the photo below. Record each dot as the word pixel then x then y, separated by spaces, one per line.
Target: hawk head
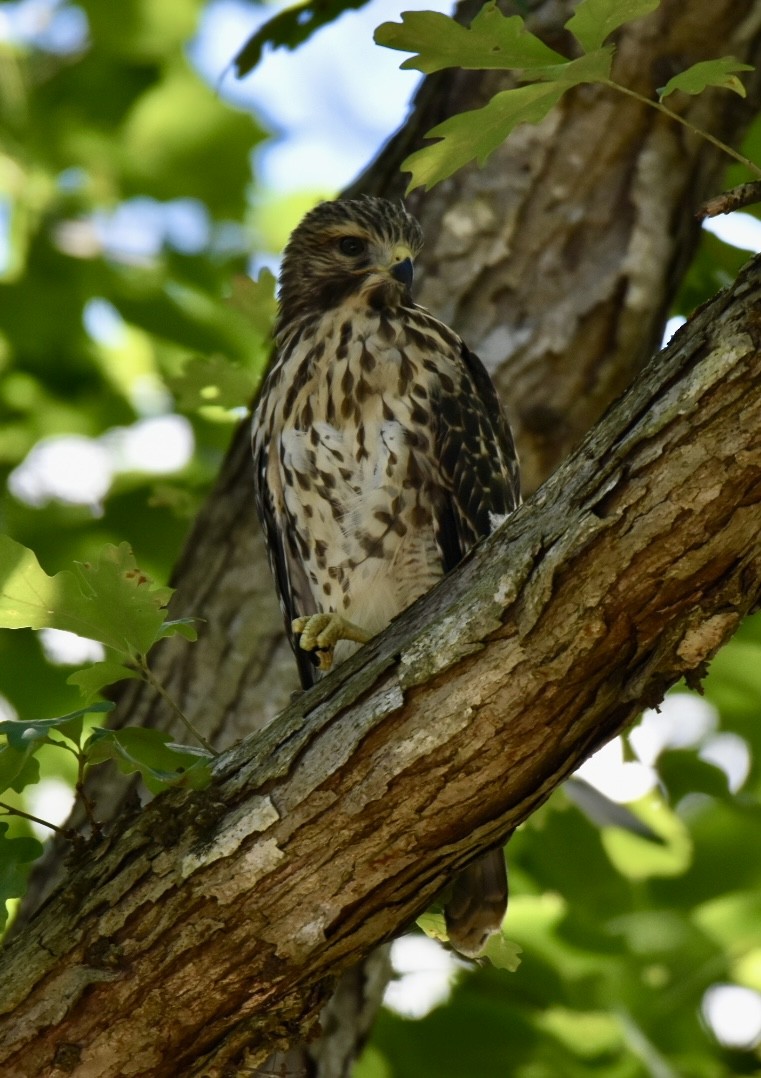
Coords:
pixel 353 249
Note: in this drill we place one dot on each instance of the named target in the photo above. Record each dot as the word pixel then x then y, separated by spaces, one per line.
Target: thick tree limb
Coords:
pixel 211 926
pixel 557 261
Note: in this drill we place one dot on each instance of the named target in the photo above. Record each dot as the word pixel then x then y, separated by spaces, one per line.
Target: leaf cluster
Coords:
pixel 108 130
pixel 111 601
pixel 498 42
pixel 620 938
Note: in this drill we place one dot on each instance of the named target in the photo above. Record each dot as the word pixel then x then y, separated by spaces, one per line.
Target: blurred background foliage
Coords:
pixel 130 342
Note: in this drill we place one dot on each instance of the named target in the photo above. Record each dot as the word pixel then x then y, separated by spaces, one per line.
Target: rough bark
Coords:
pixel 204 932
pixel 557 262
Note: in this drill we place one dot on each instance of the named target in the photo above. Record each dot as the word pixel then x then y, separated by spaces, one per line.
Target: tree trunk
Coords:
pixel 208 930
pixel 557 262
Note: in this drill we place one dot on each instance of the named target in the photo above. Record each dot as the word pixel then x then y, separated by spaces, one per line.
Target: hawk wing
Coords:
pixel 477 460
pixel 478 469
pixel 286 564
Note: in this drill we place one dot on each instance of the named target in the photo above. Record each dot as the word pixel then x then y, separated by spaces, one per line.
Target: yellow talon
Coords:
pixel 321 632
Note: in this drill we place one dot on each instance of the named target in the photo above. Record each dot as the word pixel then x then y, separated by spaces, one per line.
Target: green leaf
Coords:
pixel 14 853
pixel 130 607
pixel 636 857
pixel 18 764
pixel 180 627
pixel 594 20
pixel 695 79
pixel 161 763
pixel 110 600
pixel 291 28
pixel 215 380
pixel 493 41
pixel 256 300
pixel 19 767
pixel 503 953
pixel 683 772
pixel 593 67
pixel 180 140
pixel 93 678
pixel 20 732
pixel 434 925
pixel 478 133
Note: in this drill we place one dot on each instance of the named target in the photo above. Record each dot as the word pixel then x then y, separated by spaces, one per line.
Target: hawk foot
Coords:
pixel 321 632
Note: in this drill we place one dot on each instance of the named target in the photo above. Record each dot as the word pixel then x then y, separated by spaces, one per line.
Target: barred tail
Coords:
pixel 477 903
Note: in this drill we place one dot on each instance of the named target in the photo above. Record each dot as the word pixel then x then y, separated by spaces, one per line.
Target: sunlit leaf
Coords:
pixel 585 1033
pixel 182 141
pixel 492 41
pixel 594 20
pixel 476 134
pixel 636 856
pixel 733 920
pixel 433 925
pixel 503 953
pixel 110 600
pixel 721 72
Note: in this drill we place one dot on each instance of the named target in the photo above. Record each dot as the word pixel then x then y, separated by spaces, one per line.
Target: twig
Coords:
pixel 746 194
pixel 9 810
pixel 154 682
pixel 660 107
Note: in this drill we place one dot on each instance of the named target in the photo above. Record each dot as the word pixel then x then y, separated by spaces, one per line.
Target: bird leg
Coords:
pixel 321 632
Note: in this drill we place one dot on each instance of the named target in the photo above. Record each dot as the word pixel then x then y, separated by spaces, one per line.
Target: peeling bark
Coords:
pixel 557 262
pixel 210 927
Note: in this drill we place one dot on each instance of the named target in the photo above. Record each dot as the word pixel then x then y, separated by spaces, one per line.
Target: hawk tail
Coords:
pixel 477 903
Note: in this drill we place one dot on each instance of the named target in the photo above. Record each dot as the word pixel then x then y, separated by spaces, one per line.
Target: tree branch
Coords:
pixel 556 262
pixel 210 926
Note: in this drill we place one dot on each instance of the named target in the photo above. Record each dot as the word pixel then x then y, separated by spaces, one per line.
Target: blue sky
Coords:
pixel 331 103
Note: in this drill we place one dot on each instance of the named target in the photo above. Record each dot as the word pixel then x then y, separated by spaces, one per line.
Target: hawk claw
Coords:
pixel 321 632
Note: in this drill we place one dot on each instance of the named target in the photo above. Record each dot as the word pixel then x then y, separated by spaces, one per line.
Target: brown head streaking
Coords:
pixel 381 457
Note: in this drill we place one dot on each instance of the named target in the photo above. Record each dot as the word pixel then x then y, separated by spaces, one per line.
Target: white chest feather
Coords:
pixel 358 477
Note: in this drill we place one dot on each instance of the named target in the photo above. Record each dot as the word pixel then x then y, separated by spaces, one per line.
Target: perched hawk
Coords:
pixel 381 456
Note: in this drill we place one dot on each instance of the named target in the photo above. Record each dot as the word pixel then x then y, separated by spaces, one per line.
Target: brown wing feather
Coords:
pixel 479 469
pixel 477 461
pixel 286 565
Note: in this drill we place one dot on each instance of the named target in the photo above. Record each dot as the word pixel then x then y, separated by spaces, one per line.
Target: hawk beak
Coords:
pixel 403 272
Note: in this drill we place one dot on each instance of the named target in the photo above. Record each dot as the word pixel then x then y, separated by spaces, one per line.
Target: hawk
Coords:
pixel 381 457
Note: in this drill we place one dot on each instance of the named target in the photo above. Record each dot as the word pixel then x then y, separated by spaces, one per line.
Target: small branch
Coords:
pixel 747 194
pixel 660 107
pixel 156 684
pixel 86 802
pixel 65 832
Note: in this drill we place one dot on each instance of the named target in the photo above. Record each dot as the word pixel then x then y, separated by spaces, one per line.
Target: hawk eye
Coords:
pixel 352 246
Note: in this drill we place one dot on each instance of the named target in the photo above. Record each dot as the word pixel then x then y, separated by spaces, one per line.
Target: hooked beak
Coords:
pixel 403 272
pixel 401 265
